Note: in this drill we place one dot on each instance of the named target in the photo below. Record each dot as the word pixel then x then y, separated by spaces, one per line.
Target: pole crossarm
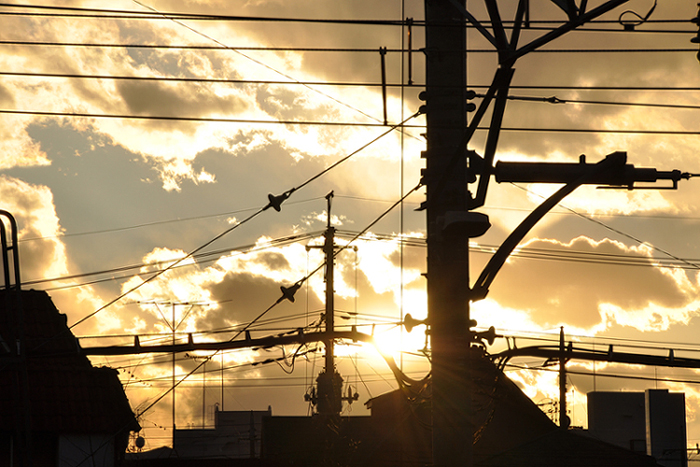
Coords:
pixel 264 342
pixel 572 353
pixel 612 172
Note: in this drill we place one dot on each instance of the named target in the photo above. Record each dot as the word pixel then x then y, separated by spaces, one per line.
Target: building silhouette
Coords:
pixel 57 410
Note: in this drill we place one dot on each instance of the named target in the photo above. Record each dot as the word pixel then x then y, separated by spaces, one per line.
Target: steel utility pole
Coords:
pixel 448 261
pixel 327 397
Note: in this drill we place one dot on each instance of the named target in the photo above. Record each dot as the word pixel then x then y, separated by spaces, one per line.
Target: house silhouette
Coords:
pixel 57 409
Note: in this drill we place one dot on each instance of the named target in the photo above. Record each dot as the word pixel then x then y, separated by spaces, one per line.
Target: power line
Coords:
pixel 134 14
pixel 608 375
pixel 324 49
pixel 571 256
pixel 360 198
pixel 197 47
pixel 550 100
pixel 595 88
pixel 99 13
pixel 335 123
pixel 688 263
pixel 200 256
pixel 192 119
pixel 557 100
pixel 206 80
pixel 257 62
pixel 274 202
pixel 149 224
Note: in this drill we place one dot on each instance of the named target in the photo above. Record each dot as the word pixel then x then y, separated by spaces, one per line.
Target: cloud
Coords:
pixel 33 209
pixel 167 100
pixel 578 293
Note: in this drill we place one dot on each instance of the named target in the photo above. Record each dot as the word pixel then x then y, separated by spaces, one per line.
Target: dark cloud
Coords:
pixel 7 99
pixel 274 261
pixel 158 99
pixel 244 297
pixel 413 258
pixel 554 292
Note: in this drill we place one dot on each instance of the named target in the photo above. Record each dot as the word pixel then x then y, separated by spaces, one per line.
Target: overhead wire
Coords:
pixel 298 283
pixel 244 221
pixel 690 264
pixel 97 13
pixel 258 62
pixel 693 49
pixel 101 13
pixel 39 113
pixel 345 124
pixel 153 223
pixel 166 269
pixel 360 198
pixel 550 100
pixel 223 47
pixel 566 255
pixel 200 256
pixel 609 375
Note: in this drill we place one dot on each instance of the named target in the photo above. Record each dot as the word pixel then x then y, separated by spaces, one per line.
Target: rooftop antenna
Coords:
pixel 173 324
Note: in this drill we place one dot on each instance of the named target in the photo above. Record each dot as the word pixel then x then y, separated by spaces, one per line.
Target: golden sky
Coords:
pixel 153 169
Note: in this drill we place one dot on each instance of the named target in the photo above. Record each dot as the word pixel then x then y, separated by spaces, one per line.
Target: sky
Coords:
pixel 112 179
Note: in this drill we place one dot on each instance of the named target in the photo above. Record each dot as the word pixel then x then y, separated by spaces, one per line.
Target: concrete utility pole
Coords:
pixel 450 167
pixel 448 260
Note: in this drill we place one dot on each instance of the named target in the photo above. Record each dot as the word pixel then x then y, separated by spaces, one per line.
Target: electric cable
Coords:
pixel 100 13
pixel 258 62
pixel 153 223
pixel 239 49
pixel 335 83
pixel 285 294
pixel 690 264
pixel 200 256
pixel 95 13
pixel 557 100
pixel 608 375
pixel 346 124
pixel 193 119
pixel 274 201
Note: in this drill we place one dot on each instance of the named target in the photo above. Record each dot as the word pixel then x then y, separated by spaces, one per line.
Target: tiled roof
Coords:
pixel 66 394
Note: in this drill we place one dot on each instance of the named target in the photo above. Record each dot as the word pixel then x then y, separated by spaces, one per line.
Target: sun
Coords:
pixel 397 340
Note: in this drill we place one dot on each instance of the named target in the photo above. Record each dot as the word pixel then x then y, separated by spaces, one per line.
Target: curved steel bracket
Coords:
pixel 481 287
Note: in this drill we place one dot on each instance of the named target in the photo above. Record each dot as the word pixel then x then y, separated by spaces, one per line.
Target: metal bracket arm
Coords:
pixel 481 287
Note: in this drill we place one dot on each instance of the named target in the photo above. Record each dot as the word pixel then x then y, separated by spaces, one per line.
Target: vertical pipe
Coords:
pixel 173 376
pixel 564 420
pixel 204 394
pixel 382 54
pixel 409 24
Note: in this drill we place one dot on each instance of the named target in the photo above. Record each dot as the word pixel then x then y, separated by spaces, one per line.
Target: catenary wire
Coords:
pixel 258 62
pixel 133 14
pixel 567 255
pixel 550 100
pixel 346 124
pixel 237 49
